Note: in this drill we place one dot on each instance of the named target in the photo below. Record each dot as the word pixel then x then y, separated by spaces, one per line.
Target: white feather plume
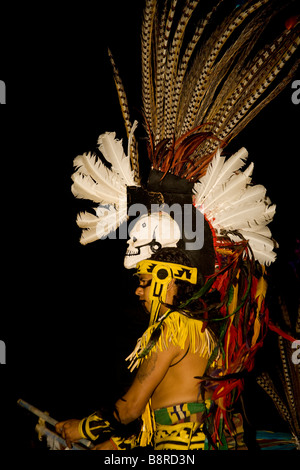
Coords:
pixel 233 164
pixel 108 186
pixel 107 220
pixel 258 241
pixel 205 185
pixel 229 190
pixel 88 164
pixel 84 187
pixel 264 257
pixel 113 152
pixel 247 217
pixel 88 236
pixel 239 217
pixel 231 204
pixel 219 173
pixel 250 195
pixel 87 220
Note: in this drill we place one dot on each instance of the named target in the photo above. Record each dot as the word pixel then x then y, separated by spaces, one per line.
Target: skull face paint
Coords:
pixel 149 234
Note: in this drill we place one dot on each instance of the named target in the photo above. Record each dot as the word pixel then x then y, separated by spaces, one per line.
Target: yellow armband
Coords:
pixel 105 425
pixel 95 426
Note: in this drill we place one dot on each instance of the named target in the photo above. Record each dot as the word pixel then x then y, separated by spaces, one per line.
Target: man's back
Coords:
pixel 179 385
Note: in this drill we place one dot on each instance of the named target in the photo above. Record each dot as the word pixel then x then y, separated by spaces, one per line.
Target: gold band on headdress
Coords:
pixel 162 274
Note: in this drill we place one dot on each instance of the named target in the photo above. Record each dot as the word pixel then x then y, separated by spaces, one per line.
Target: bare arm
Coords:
pixel 131 406
pixel 150 374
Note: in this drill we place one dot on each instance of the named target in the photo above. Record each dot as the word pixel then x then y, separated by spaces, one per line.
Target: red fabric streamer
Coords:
pixel 280 332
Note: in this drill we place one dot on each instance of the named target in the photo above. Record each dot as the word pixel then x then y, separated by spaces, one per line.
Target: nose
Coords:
pixel 139 291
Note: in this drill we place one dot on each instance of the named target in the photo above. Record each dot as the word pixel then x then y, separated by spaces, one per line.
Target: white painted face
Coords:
pixel 150 234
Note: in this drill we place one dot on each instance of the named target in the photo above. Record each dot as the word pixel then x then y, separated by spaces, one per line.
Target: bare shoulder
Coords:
pixel 147 367
pixel 158 360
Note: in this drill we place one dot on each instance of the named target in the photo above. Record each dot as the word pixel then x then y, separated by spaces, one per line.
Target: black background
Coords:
pixel 69 315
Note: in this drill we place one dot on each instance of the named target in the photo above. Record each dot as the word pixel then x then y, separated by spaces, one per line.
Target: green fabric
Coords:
pixel 177 413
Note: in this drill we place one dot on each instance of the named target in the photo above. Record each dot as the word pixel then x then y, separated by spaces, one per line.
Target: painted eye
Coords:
pixel 134 239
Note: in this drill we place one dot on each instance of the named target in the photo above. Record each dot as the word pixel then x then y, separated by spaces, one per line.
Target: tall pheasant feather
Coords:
pixel 132 147
pixel 207 69
pixel 196 76
pixel 286 393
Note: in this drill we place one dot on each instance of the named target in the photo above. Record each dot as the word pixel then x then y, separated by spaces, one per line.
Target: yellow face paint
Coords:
pixel 162 274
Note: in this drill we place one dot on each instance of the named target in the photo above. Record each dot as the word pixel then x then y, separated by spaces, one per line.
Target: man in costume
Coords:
pixel 200 87
pixel 176 349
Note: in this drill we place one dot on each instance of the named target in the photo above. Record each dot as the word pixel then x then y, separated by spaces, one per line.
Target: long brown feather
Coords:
pixel 287 401
pixel 266 383
pixel 172 62
pixel 201 86
pixel 260 83
pixel 147 81
pixel 126 116
pixel 182 70
pixel 164 33
pixel 193 74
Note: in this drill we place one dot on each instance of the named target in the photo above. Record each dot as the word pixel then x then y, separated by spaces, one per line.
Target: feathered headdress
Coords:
pixel 202 82
pixel 206 71
pixel 216 79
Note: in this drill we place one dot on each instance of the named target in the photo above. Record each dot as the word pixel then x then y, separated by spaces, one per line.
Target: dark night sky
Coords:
pixel 67 318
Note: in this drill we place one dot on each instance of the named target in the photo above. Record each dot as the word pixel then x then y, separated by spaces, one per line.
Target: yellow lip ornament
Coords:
pixel 162 273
